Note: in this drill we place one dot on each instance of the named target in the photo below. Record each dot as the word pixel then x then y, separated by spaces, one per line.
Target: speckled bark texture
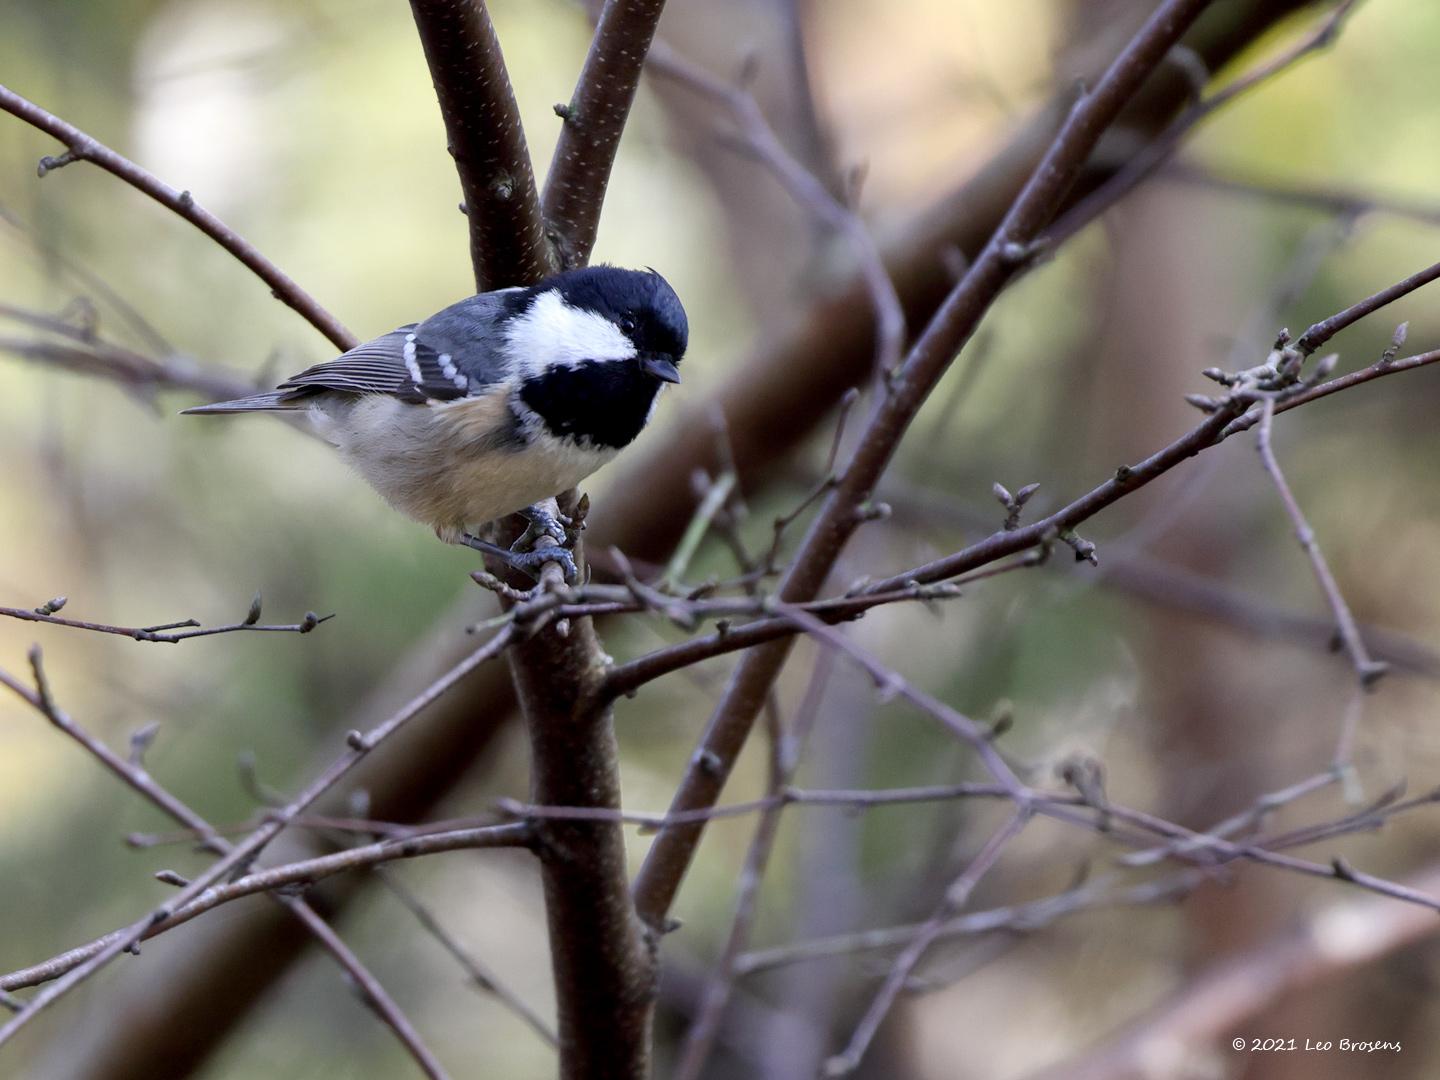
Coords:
pixel 594 119
pixel 482 125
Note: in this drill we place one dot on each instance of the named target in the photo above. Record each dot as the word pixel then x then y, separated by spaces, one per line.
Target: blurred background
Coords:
pixel 312 129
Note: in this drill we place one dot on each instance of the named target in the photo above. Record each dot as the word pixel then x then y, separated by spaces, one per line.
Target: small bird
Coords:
pixel 497 403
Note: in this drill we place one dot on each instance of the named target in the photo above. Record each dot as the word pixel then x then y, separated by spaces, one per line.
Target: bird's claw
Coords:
pixel 531 562
pixel 540 521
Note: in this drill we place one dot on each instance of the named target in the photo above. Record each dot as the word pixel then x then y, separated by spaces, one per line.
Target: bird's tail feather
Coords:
pixel 274 400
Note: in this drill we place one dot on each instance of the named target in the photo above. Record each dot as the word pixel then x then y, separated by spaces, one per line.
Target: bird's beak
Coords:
pixel 662 368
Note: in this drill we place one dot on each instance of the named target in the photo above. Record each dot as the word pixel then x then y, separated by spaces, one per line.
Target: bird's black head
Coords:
pixel 594 347
pixel 640 302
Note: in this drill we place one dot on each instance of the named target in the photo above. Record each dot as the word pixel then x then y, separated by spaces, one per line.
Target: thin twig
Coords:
pixel 1221 425
pixel 245 852
pixel 167 633
pixel 481 977
pixel 133 773
pixel 956 897
pixel 1367 670
pixel 82 147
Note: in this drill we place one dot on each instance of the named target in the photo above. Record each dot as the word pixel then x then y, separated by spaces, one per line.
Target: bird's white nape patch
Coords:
pixel 551 333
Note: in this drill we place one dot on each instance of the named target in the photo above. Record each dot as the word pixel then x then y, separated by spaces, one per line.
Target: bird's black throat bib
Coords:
pixel 602 403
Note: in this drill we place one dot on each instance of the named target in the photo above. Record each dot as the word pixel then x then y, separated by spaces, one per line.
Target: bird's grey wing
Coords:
pixel 469 333
pixel 449 355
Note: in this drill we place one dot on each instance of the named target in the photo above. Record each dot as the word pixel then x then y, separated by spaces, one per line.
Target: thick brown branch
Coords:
pixel 593 121
pixel 482 124
pixel 81 147
pixel 603 970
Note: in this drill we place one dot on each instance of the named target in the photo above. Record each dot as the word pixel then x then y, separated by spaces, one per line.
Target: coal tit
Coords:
pixel 497 403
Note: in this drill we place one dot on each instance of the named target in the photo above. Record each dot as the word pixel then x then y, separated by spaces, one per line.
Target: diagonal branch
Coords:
pixel 482 124
pixel 1006 252
pixel 134 774
pixel 82 147
pixel 593 121
pixel 245 852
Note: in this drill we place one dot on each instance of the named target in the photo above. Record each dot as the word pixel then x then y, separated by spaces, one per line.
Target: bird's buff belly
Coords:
pixel 437 466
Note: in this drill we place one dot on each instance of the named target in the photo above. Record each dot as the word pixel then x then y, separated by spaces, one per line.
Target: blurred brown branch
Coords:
pixel 1155 153
pixel 1330 200
pixel 1222 999
pixel 82 350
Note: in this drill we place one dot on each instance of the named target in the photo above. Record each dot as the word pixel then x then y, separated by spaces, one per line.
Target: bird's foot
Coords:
pixel 529 562
pixel 543 519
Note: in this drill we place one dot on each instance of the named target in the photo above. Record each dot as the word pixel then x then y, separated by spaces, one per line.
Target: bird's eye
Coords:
pixel 627 323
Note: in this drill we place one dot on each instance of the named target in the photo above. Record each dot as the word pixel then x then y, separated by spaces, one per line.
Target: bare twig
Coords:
pixel 956 897
pixel 1220 425
pixel 1367 670
pixel 1156 152
pixel 1324 330
pixel 1008 250
pixel 169 633
pixel 479 975
pixel 1091 895
pixel 133 773
pixel 278 881
pixel 82 147
pixel 244 853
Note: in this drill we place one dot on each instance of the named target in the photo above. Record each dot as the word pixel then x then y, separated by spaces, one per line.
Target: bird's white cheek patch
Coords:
pixel 552 333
